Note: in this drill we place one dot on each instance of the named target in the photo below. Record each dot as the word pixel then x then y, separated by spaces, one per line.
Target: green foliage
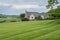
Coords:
pixel 22 15
pixel 39 18
pixel 2 16
pixel 2 21
pixel 24 19
pixel 13 16
pixel 10 19
pixel 51 3
pixel 55 12
pixel 13 21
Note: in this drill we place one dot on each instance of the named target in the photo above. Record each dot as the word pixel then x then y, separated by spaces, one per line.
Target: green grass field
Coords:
pixel 32 30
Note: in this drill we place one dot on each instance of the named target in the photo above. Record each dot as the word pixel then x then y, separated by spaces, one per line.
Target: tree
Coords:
pixel 2 16
pixel 22 15
pixel 52 3
pixel 55 12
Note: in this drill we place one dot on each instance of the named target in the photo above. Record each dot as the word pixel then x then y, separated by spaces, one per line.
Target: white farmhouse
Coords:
pixel 34 15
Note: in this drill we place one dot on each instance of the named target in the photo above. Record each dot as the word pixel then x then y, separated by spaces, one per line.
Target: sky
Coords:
pixel 16 7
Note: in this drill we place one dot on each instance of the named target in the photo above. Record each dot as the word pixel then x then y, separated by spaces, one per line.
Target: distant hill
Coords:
pixel 4 16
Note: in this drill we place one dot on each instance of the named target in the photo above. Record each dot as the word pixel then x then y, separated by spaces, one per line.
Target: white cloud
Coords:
pixel 22 6
pixel 25 6
pixel 4 4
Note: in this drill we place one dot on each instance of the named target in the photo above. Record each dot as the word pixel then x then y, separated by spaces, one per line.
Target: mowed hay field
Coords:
pixel 31 30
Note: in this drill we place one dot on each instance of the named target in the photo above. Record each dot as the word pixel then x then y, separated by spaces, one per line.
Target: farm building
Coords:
pixel 34 15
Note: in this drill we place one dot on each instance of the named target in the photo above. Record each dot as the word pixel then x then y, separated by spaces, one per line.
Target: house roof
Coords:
pixel 35 14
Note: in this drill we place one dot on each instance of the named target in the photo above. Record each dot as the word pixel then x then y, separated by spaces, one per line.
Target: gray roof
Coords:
pixel 35 13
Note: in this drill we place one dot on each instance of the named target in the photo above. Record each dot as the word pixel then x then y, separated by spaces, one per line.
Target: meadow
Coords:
pixel 30 30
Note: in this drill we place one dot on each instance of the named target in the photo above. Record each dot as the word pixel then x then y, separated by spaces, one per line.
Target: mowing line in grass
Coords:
pixel 37 34
pixel 45 37
pixel 29 31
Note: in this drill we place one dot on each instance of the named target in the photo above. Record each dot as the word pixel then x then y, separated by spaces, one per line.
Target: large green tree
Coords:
pixel 55 12
pixel 52 3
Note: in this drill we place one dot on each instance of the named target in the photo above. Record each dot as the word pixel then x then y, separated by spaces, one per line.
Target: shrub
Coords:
pixel 39 18
pixel 13 21
pixel 24 19
pixel 2 21
pixel 22 15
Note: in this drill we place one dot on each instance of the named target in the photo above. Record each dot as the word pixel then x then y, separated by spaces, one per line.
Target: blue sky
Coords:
pixel 15 7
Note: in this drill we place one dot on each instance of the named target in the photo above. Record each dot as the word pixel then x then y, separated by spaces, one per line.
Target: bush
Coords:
pixel 24 19
pixel 2 21
pixel 13 21
pixel 22 15
pixel 39 18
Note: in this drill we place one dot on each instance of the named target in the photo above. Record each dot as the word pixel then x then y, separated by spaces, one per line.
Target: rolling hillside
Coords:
pixel 32 30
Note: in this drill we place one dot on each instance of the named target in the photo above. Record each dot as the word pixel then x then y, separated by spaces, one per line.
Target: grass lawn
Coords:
pixel 32 30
